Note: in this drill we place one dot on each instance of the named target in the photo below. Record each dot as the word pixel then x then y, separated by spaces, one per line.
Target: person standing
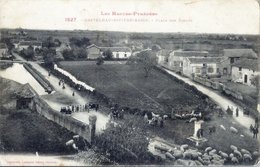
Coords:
pixel 237 112
pixel 255 132
pixel 256 122
pixel 97 106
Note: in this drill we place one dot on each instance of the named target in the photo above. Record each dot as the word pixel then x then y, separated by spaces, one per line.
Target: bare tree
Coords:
pixel 146 59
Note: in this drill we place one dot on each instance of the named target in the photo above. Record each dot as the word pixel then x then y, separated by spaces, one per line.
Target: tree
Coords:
pixel 68 55
pixel 125 142
pixel 145 59
pixel 48 56
pixel 80 53
pixel 28 53
pixel 57 42
pixel 255 81
pixel 108 55
pixel 85 41
pixel 79 42
pixel 100 61
pixel 49 42
pixel 8 43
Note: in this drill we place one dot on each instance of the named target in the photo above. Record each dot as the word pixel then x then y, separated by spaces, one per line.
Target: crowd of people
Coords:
pixel 79 108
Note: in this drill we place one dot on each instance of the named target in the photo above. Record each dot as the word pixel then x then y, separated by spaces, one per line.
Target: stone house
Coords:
pixel 25 44
pixel 163 56
pixel 231 56
pixel 176 58
pixel 244 70
pixel 24 96
pixel 202 66
pixel 93 51
pixel 118 52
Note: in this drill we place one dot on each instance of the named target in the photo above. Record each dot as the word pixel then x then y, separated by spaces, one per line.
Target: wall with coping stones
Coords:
pixel 87 131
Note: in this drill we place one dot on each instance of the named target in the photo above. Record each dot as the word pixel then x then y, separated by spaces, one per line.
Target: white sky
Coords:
pixel 205 16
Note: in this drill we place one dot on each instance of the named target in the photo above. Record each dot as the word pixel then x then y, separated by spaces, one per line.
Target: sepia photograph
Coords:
pixel 133 82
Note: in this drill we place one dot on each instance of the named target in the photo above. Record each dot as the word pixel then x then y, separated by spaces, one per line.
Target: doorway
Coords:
pixel 245 79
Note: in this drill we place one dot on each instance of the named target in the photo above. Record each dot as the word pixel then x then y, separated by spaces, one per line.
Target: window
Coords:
pixel 224 70
pixel 217 70
pixel 210 70
pixel 197 70
pixel 204 65
pixel 125 55
pixel 177 64
pixel 232 60
pixel 240 69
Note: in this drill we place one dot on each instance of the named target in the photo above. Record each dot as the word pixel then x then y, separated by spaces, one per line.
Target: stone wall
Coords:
pixel 87 131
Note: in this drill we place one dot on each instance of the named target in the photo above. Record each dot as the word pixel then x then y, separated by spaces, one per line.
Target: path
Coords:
pixel 66 97
pixel 222 101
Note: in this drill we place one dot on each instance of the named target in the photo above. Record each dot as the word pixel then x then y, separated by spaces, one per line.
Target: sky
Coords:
pixel 199 16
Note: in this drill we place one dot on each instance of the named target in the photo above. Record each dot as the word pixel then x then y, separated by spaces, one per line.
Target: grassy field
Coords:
pixel 27 131
pixel 127 85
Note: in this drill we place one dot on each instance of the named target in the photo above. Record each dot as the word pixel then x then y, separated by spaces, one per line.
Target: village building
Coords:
pixel 176 58
pixel 25 95
pixel 244 71
pixel 200 66
pixel 93 51
pixel 3 50
pixel 231 56
pixel 25 44
pixel 59 50
pixel 118 52
pixel 163 56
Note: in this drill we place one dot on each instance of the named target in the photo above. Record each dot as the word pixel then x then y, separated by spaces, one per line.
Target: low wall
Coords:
pixel 207 82
pixel 42 81
pixel 87 131
pixel 236 95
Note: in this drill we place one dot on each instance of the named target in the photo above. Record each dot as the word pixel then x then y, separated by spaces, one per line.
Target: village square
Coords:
pixel 130 98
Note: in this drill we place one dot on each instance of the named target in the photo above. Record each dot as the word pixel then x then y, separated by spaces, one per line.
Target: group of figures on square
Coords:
pixel 79 108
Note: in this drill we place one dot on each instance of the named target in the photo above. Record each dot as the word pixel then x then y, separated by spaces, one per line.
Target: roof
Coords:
pixel 92 45
pixel 26 91
pixel 164 52
pixel 62 47
pixel 247 63
pixel 201 60
pixel 116 49
pixel 33 43
pixel 246 53
pixel 3 46
pixel 183 53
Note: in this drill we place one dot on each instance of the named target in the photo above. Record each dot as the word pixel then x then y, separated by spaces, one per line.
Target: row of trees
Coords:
pixel 75 54
pixel 76 42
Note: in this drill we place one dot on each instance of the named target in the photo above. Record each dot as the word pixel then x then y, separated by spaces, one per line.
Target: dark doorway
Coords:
pixel 245 79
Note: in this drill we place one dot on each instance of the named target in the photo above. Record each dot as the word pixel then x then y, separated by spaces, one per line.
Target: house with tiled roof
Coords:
pixel 231 56
pixel 25 44
pixel 24 96
pixel 163 56
pixel 93 51
pixel 176 58
pixel 244 70
pixel 118 52
pixel 202 66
